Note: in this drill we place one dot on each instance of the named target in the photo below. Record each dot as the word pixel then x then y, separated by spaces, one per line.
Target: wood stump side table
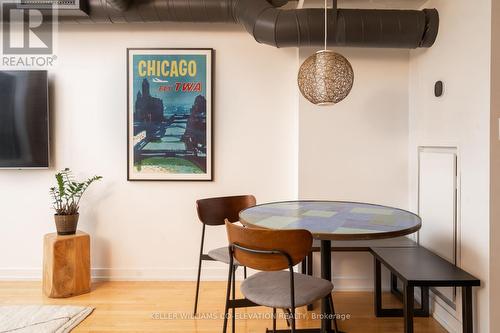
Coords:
pixel 66 265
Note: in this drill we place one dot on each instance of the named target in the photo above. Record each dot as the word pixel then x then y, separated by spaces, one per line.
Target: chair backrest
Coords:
pixel 213 211
pixel 296 243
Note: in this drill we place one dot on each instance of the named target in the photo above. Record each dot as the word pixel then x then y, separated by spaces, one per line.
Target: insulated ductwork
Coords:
pixel 279 27
pixel 350 27
pixel 120 4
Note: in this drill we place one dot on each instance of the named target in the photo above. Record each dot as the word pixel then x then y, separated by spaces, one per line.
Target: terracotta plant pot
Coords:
pixel 66 224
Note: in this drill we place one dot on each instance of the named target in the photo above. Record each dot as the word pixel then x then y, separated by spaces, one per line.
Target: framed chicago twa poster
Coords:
pixel 170 100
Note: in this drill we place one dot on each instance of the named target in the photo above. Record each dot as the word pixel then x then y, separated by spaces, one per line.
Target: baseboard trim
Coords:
pixel 344 283
pixel 118 274
pixel 155 274
pixel 20 274
pixel 445 315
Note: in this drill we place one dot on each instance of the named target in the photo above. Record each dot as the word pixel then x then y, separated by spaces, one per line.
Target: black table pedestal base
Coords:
pixel 326 274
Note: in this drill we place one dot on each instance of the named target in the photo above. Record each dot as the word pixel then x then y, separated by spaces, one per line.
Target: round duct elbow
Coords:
pixel 431 27
pixel 354 27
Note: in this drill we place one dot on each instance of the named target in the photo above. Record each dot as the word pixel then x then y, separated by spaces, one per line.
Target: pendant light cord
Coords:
pixel 326 23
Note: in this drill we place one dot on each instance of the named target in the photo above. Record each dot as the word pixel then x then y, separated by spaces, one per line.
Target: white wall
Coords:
pixel 461 58
pixel 150 230
pixel 358 149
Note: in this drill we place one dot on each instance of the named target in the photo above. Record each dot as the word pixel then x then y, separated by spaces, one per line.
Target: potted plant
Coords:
pixel 67 195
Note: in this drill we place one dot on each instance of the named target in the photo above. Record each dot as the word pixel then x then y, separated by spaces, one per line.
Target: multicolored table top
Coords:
pixel 334 220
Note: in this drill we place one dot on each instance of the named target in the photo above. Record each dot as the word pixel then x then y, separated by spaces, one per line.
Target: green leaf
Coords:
pixel 68 192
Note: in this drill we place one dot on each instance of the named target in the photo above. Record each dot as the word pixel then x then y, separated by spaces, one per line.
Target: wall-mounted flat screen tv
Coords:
pixel 24 119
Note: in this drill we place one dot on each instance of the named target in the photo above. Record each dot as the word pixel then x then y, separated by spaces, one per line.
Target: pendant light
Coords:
pixel 326 77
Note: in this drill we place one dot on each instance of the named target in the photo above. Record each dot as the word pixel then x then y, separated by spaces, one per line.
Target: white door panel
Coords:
pixel 438 205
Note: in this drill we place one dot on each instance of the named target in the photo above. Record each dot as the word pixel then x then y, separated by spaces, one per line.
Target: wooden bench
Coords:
pixel 419 267
pixel 360 246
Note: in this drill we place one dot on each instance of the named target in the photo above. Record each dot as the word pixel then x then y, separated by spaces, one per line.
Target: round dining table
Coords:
pixel 331 221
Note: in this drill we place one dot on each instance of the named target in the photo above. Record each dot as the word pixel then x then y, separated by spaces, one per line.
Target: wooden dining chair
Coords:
pixel 213 212
pixel 273 252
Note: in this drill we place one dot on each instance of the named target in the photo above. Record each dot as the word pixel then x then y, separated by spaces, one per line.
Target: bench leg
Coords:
pixel 307 264
pixel 424 310
pixel 377 288
pixel 409 299
pixel 394 284
pixel 467 309
pixel 394 287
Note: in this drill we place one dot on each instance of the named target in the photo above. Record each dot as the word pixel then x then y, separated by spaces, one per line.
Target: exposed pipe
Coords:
pixel 351 27
pixel 119 4
pixel 283 27
pixel 124 4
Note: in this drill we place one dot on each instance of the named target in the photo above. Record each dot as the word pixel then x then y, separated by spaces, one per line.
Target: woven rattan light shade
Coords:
pixel 325 78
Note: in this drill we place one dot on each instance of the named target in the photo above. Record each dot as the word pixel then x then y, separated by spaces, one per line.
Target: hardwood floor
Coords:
pixel 160 307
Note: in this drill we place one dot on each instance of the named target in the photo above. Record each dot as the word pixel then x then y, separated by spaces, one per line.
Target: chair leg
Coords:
pixel 334 314
pixel 274 320
pixel 292 320
pixel 233 319
pixel 245 272
pixel 199 270
pixel 197 288
pixel 287 317
pixel 228 295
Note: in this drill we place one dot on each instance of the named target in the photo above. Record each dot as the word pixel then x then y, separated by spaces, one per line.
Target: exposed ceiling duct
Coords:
pixel 280 27
pixel 120 4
